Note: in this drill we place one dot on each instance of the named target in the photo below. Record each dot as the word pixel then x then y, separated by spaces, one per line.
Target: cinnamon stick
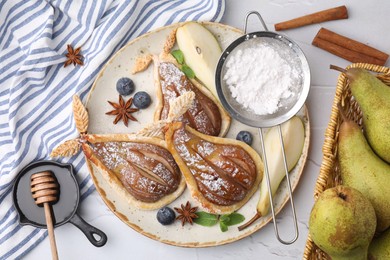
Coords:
pixel 348 49
pixel 336 13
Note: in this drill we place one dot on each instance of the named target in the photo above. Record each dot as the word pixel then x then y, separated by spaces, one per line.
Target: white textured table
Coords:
pixel 368 23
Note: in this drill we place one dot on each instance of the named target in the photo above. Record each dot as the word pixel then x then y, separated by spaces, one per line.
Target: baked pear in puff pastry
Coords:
pixel 206 114
pixel 140 169
pixel 222 174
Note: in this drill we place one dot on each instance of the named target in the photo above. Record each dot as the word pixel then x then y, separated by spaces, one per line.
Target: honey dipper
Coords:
pixel 44 189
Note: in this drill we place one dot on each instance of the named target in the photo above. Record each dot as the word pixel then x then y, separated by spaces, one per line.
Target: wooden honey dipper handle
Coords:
pixel 50 230
pixel 44 189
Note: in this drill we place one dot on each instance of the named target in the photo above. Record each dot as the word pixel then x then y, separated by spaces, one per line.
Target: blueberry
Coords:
pixel 245 136
pixel 141 100
pixel 166 216
pixel 125 86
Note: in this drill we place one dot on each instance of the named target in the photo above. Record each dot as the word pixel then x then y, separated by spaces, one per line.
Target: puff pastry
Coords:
pixel 140 169
pixel 221 174
pixel 206 115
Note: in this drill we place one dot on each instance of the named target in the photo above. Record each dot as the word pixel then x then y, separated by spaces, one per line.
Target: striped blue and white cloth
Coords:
pixel 36 90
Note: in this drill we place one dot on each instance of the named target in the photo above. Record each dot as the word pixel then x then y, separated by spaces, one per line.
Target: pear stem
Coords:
pixel 334 67
pixel 250 222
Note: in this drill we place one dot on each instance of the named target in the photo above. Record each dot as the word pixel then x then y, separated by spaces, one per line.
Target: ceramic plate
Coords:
pixel 145 222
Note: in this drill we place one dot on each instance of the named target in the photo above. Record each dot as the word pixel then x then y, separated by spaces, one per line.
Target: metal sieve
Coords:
pixel 288 107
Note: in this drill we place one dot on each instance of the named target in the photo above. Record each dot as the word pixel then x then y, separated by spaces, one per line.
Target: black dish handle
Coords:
pixel 89 231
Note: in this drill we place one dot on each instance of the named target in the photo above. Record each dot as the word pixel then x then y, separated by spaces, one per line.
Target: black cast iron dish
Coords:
pixel 64 211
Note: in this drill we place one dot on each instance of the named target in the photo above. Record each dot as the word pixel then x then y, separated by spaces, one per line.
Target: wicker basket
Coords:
pixel 329 172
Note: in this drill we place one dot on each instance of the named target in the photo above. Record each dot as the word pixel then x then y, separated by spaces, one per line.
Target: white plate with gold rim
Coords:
pixel 145 222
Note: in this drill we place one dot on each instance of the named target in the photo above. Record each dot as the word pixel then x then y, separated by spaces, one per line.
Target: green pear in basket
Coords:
pixel 293 133
pixel 362 169
pixel 373 97
pixel 380 247
pixel 342 223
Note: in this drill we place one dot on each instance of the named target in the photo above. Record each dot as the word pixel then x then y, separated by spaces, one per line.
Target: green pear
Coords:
pixel 373 97
pixel 201 52
pixel 362 169
pixel 380 247
pixel 342 223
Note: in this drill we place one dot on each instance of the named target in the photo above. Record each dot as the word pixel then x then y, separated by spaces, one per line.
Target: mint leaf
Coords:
pixel 233 219
pixel 223 226
pixel 188 71
pixel 206 219
pixel 178 54
pixel 224 218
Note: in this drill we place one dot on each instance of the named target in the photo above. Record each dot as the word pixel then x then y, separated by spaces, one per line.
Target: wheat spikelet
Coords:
pixel 170 41
pixel 153 130
pixel 80 115
pixel 180 105
pixel 66 149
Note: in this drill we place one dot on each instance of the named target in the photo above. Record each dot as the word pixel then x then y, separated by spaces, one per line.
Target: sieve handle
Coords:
pixel 258 16
pixel 270 190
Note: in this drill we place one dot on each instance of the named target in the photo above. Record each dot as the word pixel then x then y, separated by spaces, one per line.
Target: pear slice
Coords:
pixel 201 52
pixel 222 174
pixel 293 133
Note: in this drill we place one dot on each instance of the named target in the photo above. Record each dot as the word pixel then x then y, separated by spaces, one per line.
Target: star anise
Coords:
pixel 123 111
pixel 186 213
pixel 73 56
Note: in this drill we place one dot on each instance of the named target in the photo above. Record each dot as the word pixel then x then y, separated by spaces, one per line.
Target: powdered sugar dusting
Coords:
pixel 260 74
pixel 174 84
pixel 147 171
pixel 220 179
